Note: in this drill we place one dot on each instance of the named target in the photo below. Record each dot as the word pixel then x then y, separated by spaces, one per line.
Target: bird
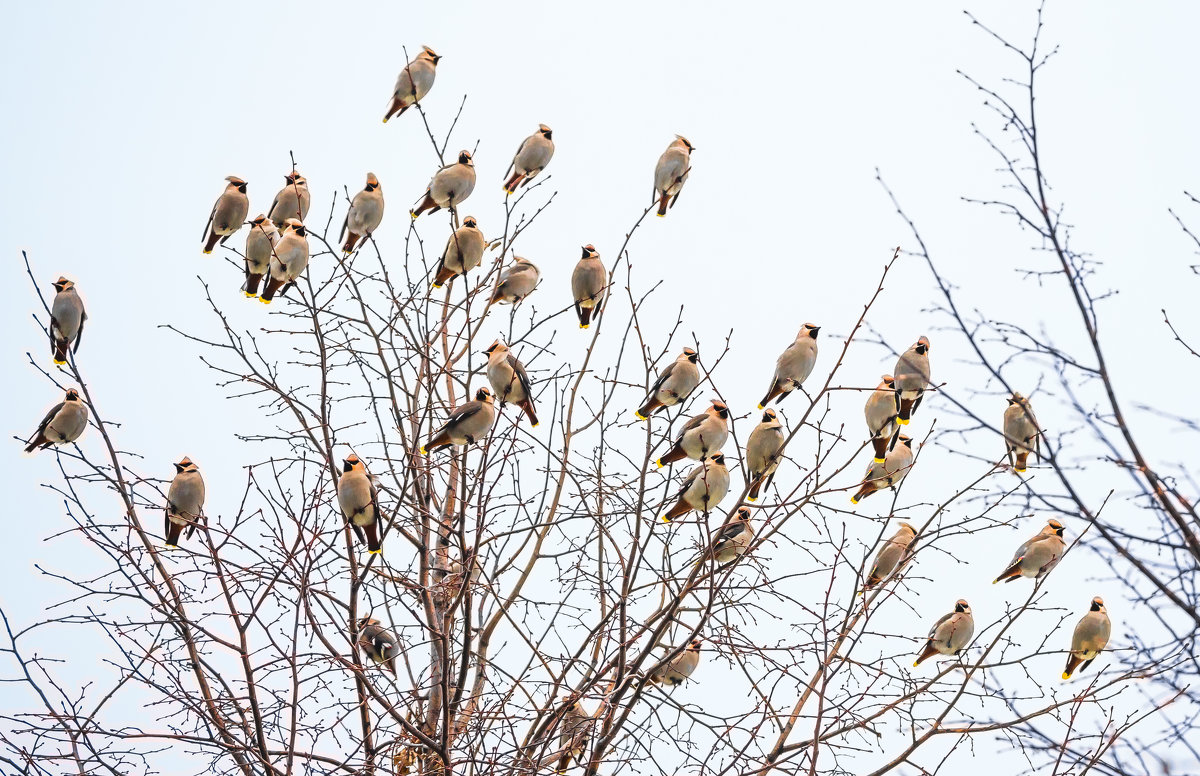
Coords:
pixel 574 728
pixel 260 244
pixel 67 317
pixel 881 416
pixel 700 436
pixel 889 556
pixel 888 474
pixel 671 172
pixel 228 213
pixel 364 215
pixel 185 502
pixel 466 425
pixel 288 260
pixel 588 282
pixel 359 500
pixel 702 489
pixel 1089 639
pixel 674 385
pixel 509 380
pixel 911 379
pixel 449 186
pixel 678 668
pixel 292 201
pixel 413 83
pixel 63 424
pixel 731 540
pixel 950 634
pixel 379 643
pixel 516 282
pixel 1022 435
pixel 1036 557
pixel 763 450
pixel 464 251
pixel 794 365
pixel 531 158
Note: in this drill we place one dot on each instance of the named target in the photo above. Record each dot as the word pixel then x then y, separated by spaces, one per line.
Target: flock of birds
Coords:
pixel 277 249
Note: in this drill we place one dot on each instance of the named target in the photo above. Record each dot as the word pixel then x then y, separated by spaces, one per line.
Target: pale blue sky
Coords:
pixel 123 119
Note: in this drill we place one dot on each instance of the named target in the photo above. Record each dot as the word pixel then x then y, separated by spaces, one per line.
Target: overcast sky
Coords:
pixel 122 121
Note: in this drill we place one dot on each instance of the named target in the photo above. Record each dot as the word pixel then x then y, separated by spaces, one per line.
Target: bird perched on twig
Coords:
pixel 466 425
pixel 700 436
pixel 678 668
pixel 364 215
pixel 67 317
pixel 464 251
pixel 228 213
pixel 531 158
pixel 890 555
pixel 588 282
pixel 731 540
pixel 950 634
pixel 1089 639
pixel 911 379
pixel 888 474
pixel 260 245
pixel 288 261
pixel 1022 435
pixel 185 502
pixel 509 381
pixel 63 424
pixel 881 416
pixel 794 365
pixel 1036 557
pixel 574 729
pixel 291 201
pixel 702 489
pixel 358 498
pixel 516 282
pixel 764 449
pixel 413 83
pixel 379 643
pixel 674 385
pixel 671 172
pixel 449 186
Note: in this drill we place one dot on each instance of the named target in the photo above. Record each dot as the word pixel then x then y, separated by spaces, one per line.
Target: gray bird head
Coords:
pixel 721 410
pixel 428 53
pixel 498 345
pixel 464 157
pixel 483 395
pixel 62 284
pixel 691 355
pixel 962 607
pixel 922 346
pixel 186 465
pixel 546 131
pixel 351 463
pixel 295 225
pixel 1097 605
pixel 72 395
pixel 372 182
pixel 589 252
pixel 236 183
pixel 1055 527
pixel 810 329
pixel 717 458
pixel 768 415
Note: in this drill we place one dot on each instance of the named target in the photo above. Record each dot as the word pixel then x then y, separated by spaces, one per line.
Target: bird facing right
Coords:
pixel 950 634
pixel 794 365
pixel 674 385
pixel 671 172
pixel 1089 639
pixel 1036 557
pixel 912 377
pixel 185 502
pixel 228 213
pixel 1022 435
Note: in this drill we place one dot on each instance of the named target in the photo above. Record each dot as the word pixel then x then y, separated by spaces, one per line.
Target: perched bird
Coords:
pixel 464 251
pixel 888 474
pixel 1022 435
pixel 573 731
pixel 359 499
pixel 228 213
pixel 517 282
pixel 449 187
pixel 379 643
pixel 289 259
pixel 1036 557
pixel 911 379
pixel 260 244
pixel 466 425
pixel 531 158
pixel 674 385
pixel 950 634
pixel 66 319
pixel 794 365
pixel 881 416
pixel 185 502
pixel 292 201
pixel 679 667
pixel 732 540
pixel 1089 639
pixel 890 555
pixel 700 436
pixel 509 381
pixel 413 83
pixel 588 282
pixel 763 451
pixel 702 489
pixel 671 172
pixel 364 215
pixel 63 424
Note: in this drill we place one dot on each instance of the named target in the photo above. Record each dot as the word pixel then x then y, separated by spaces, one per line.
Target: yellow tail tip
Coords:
pixel 385 120
pixel 264 300
pixel 854 499
pixel 413 213
pixel 994 581
pixel 880 460
pixel 1066 675
pixel 424 451
pixel 1020 471
pixel 534 425
pixel 659 463
pixel 375 552
pixel 752 499
pixel 60 363
pixel 916 664
pixel 207 252
pixel 666 519
pixel 437 285
pixel 760 406
pixel 661 215
pixel 170 546
pixel 583 325
pixel 902 421
pixel 639 415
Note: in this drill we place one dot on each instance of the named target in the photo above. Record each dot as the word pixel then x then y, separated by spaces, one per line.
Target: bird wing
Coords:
pixel 49 417
pixel 933 631
pixel 662 378
pixel 691 424
pixel 519 369
pixel 79 331
pixel 464 412
pixel 207 225
pixel 693 475
pixel 729 533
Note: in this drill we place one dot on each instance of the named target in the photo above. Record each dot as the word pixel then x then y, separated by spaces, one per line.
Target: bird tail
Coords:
pixel 776 389
pixel 60 351
pixel 671 456
pixel 649 408
pixel 372 531
pixel 662 204
pixel 527 407
pixel 426 204
pixel 881 447
pixel 585 315
pixel 38 441
pixel 679 510
pixel 513 182
pixel 1022 462
pixel 906 408
pixel 1010 573
pixel 351 241
pixel 1073 662
pixel 397 108
pixel 173 534
pixel 443 276
pixel 926 653
pixel 754 488
pixel 212 241
pixel 272 288
pixel 867 489
pixel 439 441
pixel 250 288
